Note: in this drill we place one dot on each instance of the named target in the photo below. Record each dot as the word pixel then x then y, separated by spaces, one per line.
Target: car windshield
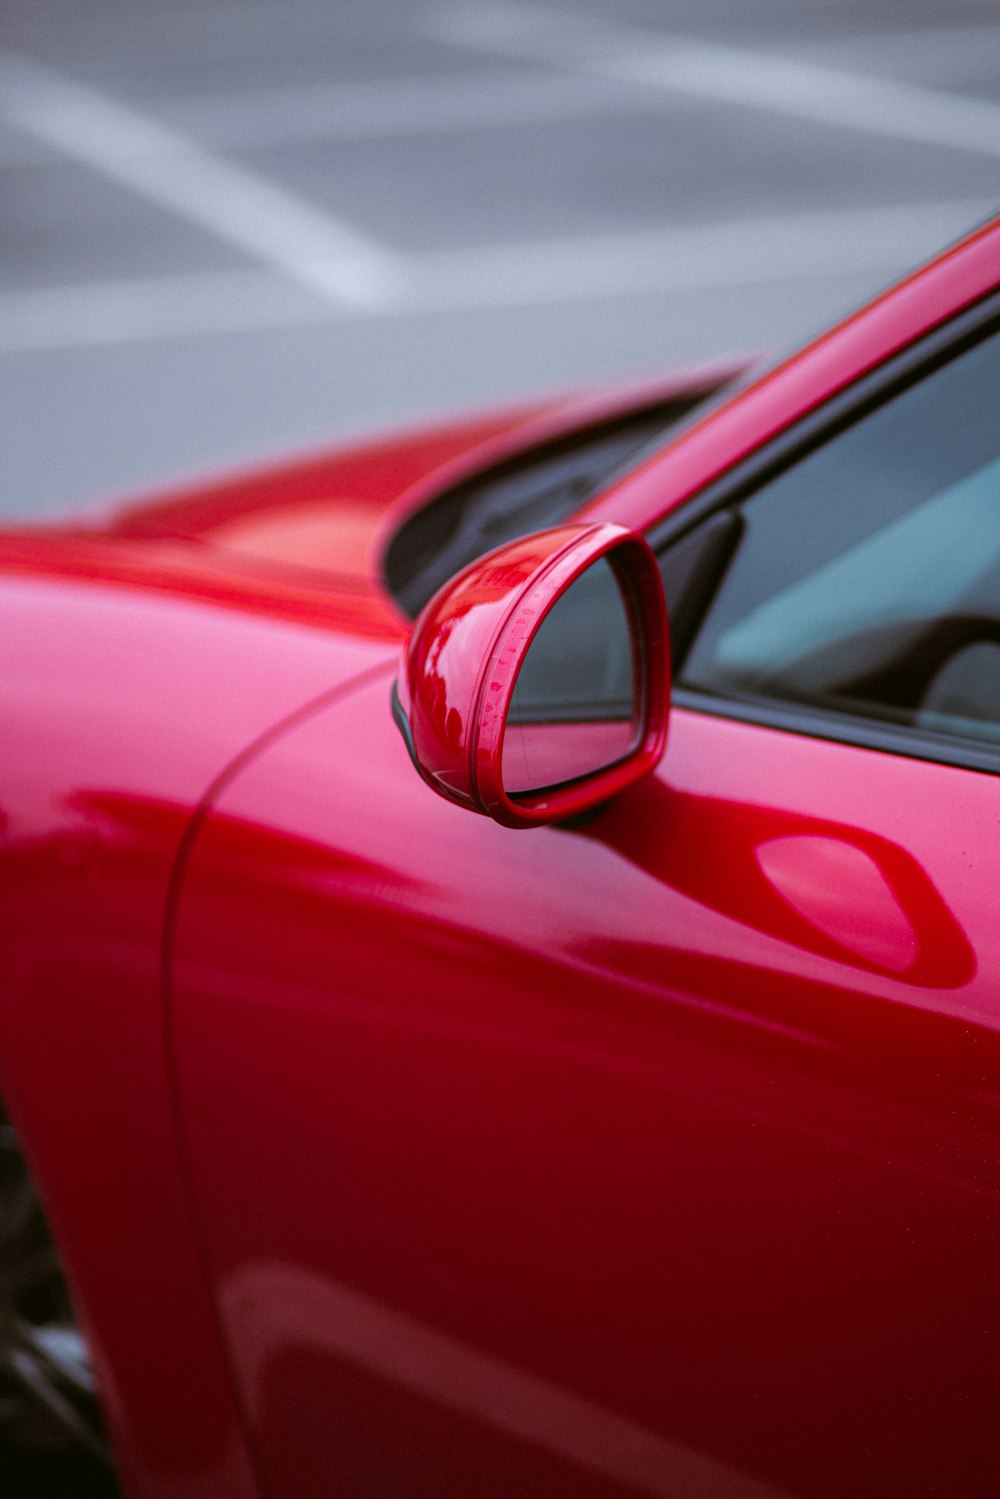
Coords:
pixel 536 489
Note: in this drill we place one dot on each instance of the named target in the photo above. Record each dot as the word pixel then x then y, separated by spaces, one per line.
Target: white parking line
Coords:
pixel 963 52
pixel 779 248
pixel 311 248
pixel 725 74
pixel 784 247
pixel 408 106
pixel 154 307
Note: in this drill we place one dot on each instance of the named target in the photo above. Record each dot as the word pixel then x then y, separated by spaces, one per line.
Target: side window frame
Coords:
pixel 694 572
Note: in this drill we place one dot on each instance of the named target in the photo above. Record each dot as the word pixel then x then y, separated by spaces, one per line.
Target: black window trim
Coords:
pixel 936 348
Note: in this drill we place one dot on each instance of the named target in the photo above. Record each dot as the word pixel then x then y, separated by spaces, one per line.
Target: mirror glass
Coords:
pixel 575 708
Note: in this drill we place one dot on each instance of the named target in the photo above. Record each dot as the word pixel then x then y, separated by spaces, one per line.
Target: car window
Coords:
pixel 534 489
pixel 867 577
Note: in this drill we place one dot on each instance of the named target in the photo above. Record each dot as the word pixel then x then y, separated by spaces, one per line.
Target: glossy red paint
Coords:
pixel 349 603
pixel 468 646
pixel 658 1154
pixel 121 706
pixel 390 1153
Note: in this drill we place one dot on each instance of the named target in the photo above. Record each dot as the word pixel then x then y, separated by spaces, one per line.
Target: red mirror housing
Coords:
pixel 452 697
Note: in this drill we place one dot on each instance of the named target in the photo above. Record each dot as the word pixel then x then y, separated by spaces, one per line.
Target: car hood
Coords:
pixel 308 536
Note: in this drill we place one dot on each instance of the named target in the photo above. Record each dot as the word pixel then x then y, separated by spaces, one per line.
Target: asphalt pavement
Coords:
pixel 228 230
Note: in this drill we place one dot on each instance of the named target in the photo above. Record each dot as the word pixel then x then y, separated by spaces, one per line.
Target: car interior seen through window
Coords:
pixel 867 576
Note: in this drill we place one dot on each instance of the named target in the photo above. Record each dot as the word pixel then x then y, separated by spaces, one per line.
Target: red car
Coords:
pixel 605 1124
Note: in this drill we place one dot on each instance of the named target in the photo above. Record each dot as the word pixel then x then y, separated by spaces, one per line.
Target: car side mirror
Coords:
pixel 536 682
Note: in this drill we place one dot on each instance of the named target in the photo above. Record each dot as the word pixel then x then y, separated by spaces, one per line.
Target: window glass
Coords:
pixel 534 489
pixel 868 576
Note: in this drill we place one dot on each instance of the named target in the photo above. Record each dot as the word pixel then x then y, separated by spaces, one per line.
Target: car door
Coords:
pixel 657 1153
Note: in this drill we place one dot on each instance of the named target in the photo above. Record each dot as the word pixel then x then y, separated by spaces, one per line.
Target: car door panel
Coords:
pixel 654 1154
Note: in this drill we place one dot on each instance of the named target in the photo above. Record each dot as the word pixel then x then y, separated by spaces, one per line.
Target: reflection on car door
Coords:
pixel 657 1155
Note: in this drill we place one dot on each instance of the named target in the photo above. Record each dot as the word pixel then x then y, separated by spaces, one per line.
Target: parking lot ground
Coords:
pixel 229 231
